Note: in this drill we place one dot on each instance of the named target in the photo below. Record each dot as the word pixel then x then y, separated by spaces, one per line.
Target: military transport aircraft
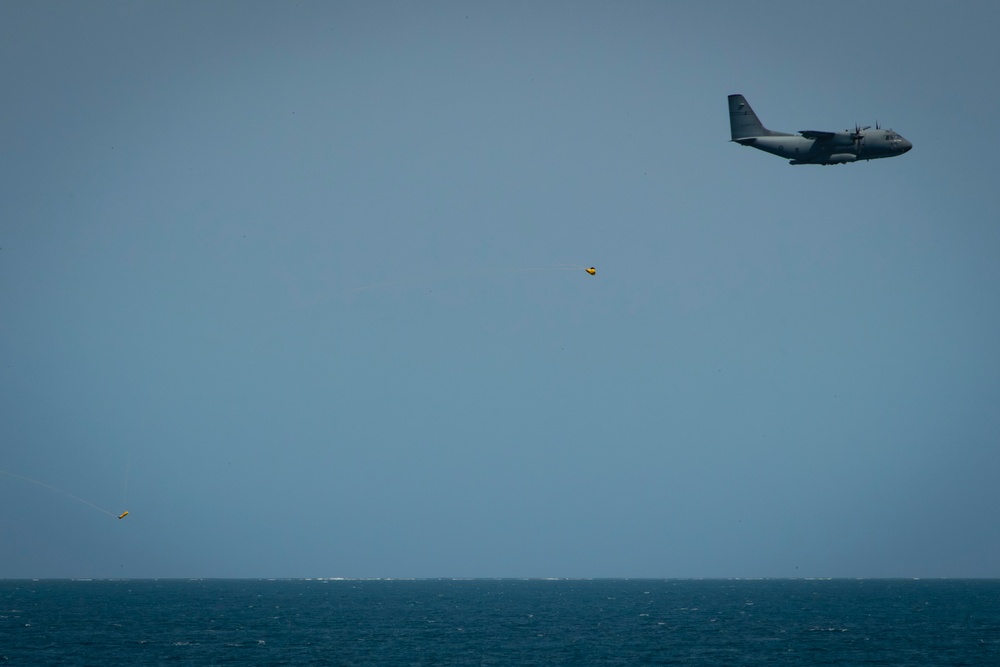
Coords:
pixel 813 146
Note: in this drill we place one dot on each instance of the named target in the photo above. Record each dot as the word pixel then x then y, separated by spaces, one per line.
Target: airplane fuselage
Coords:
pixel 840 148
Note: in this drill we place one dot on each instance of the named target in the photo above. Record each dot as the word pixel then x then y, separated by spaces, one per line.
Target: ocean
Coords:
pixel 500 622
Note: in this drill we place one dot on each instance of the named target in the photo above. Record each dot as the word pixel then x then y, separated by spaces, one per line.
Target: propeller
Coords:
pixel 858 136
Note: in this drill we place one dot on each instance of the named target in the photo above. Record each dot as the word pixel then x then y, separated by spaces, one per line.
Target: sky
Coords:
pixel 300 286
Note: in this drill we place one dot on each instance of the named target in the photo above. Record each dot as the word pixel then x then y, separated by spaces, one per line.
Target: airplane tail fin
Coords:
pixel 743 122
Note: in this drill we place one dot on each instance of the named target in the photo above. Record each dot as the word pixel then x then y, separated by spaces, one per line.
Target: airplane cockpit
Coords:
pixel 897 142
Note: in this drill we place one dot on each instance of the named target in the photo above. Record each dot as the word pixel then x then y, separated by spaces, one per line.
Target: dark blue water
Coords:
pixel 501 622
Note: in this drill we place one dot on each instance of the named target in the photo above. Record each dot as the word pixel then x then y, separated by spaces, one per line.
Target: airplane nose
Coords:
pixel 906 145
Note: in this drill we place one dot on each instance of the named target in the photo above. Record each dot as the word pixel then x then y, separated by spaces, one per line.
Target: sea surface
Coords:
pixel 500 622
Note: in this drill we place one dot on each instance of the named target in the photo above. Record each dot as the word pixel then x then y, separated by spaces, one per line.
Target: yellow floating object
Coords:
pixel 122 515
pixel 592 271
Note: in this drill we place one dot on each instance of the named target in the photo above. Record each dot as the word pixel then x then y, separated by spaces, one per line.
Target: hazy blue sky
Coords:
pixel 283 280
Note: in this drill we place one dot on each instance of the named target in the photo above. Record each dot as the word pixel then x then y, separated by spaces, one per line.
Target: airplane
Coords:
pixel 813 146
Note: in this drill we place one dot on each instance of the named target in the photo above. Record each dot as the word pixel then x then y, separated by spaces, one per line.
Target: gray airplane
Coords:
pixel 813 146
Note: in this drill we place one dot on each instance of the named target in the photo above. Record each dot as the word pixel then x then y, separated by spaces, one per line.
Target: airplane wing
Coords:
pixel 817 134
